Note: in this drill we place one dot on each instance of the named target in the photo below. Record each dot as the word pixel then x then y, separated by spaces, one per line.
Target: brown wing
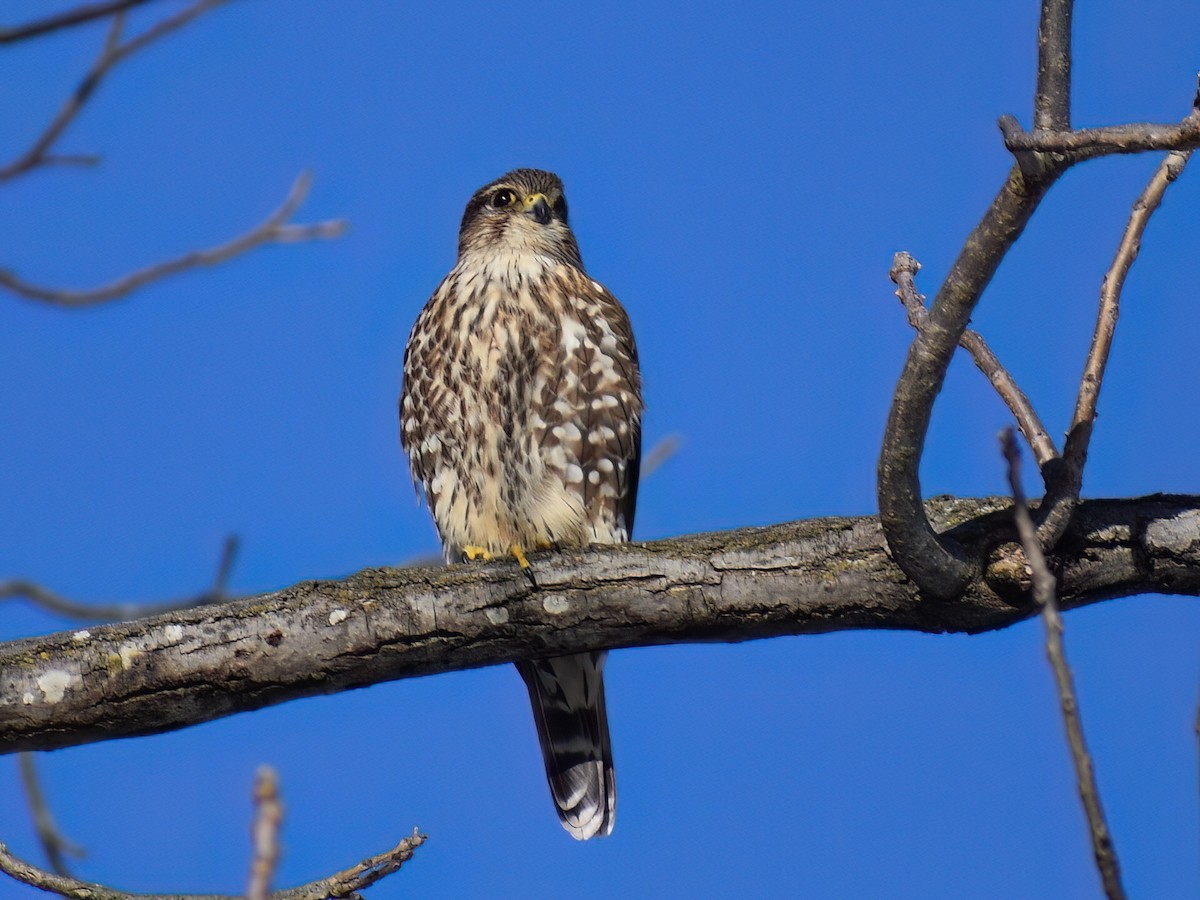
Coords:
pixel 598 404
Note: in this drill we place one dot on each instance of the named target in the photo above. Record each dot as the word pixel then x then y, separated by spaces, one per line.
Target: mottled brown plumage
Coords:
pixel 521 415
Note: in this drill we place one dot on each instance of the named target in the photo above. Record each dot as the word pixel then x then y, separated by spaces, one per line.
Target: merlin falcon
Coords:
pixel 521 415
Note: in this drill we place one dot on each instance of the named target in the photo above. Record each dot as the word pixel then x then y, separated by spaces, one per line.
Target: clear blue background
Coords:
pixel 740 176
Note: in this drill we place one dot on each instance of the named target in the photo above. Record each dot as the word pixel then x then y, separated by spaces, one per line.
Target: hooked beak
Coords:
pixel 537 207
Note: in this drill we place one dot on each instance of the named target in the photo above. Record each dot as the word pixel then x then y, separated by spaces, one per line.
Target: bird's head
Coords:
pixel 523 211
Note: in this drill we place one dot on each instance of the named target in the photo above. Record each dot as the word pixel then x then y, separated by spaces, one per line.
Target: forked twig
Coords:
pixel 1061 501
pixel 265 831
pixel 113 51
pixel 903 274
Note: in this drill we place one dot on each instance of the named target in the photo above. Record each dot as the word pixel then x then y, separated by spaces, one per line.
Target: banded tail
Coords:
pixel 567 693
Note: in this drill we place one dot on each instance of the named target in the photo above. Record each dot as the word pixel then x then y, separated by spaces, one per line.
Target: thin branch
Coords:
pixel 66 19
pixel 1110 303
pixel 217 593
pixel 54 843
pixel 357 877
pixel 1091 143
pixel 904 269
pixel 1044 594
pixel 1052 101
pixel 165 27
pixel 264 834
pixel 1061 500
pixel 660 453
pixel 51 601
pixel 113 51
pixel 313 638
pixel 341 884
pixel 275 229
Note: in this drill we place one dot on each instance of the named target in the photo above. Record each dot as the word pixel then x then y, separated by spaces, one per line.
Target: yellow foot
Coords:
pixel 519 555
pixel 473 552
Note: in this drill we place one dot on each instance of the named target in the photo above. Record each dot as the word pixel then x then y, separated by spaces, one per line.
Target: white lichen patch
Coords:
pixel 53 684
pixel 496 615
pixel 80 636
pixel 128 654
pixel 1177 534
pixel 173 633
pixel 556 605
pixel 338 615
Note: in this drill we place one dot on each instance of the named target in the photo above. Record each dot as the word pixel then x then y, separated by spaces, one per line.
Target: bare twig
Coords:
pixel 54 844
pixel 1045 595
pixel 1062 499
pixel 904 269
pixel 275 229
pixel 659 454
pixel 1110 301
pixel 1052 101
pixel 217 594
pixel 119 612
pixel 355 878
pixel 341 884
pixel 264 834
pixel 113 51
pixel 66 19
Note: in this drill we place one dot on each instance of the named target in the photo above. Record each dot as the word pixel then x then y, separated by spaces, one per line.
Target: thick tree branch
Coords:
pixel 903 274
pixel 939 564
pixel 1044 594
pixel 806 577
pixel 275 229
pixel 934 561
pixel 1052 101
pixel 66 19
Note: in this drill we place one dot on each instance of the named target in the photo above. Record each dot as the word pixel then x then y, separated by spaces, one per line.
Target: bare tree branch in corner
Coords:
pixel 275 229
pixel 264 839
pixel 69 18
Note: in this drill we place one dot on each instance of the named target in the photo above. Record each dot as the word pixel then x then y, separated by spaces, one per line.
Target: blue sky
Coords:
pixel 740 176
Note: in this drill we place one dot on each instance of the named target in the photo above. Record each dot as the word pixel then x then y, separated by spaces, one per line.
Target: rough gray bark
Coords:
pixel 805 577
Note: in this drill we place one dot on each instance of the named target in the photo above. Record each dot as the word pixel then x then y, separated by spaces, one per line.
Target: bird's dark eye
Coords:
pixel 560 208
pixel 501 199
